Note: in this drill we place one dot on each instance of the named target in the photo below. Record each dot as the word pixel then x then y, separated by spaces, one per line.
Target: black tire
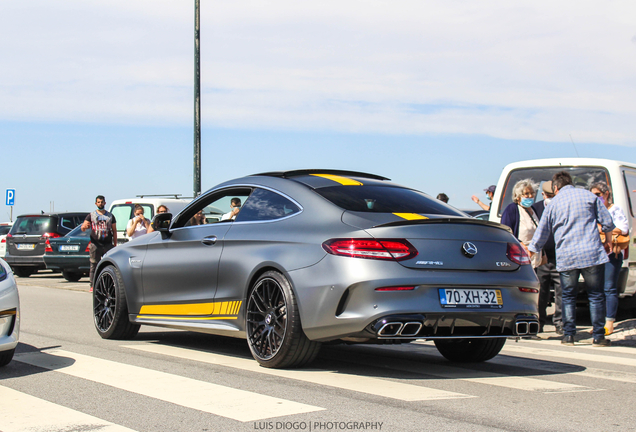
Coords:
pixel 71 277
pixel 6 356
pixel 469 350
pixel 23 271
pixel 272 322
pixel 110 311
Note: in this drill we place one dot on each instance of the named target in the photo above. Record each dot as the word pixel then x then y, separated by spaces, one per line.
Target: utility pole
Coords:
pixel 197 101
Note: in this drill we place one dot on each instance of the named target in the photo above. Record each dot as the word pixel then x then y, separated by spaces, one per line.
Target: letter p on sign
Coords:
pixel 10 197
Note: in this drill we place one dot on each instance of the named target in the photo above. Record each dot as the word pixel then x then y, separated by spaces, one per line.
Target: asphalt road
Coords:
pixel 65 378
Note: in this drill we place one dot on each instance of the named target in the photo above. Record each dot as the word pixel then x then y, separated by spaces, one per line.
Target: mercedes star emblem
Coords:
pixel 469 249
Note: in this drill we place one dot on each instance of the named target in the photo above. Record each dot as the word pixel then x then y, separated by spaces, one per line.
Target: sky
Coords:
pixel 97 97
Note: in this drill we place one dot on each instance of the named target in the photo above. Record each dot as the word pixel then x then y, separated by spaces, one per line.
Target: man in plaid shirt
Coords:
pixel 573 216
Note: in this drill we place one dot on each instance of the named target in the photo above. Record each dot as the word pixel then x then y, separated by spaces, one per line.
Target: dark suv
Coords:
pixel 26 242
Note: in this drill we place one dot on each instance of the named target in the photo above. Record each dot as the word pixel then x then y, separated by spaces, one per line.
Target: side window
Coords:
pixel 266 205
pixel 67 222
pixel 218 207
pixel 148 211
pixel 630 183
pixel 122 213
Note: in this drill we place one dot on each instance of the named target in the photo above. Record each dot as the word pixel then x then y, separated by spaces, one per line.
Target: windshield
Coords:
pixel 582 177
pixel 385 199
pixel 33 225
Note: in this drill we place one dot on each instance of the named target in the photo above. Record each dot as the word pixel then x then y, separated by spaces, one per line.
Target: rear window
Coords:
pixel 385 199
pixel 582 177
pixel 77 232
pixel 34 225
pixel 4 229
pixel 123 212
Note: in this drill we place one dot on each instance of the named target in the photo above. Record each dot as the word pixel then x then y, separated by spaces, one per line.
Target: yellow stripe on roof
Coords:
pixel 339 179
pixel 410 216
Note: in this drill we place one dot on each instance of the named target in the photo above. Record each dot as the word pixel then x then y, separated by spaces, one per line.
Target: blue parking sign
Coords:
pixel 10 197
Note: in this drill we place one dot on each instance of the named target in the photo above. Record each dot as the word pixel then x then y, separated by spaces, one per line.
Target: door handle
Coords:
pixel 209 240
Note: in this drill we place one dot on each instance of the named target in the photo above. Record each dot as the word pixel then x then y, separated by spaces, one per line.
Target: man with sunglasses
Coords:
pixel 572 217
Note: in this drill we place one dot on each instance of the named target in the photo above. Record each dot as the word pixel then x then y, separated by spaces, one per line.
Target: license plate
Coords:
pixel 25 246
pixel 69 248
pixel 470 298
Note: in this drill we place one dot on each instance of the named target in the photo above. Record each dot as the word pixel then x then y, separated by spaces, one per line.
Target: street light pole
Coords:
pixel 197 101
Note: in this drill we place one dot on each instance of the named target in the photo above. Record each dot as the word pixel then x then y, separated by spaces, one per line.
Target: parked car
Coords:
pixel 620 176
pixel 26 241
pixel 69 254
pixel 5 227
pixel 9 314
pixel 478 214
pixel 316 256
pixel 123 209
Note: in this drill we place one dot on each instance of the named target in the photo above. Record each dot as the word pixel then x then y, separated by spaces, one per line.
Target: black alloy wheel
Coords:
pixel 23 271
pixel 274 333
pixel 110 311
pixel 71 276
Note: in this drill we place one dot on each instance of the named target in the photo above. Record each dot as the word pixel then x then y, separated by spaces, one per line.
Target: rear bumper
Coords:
pixel 77 264
pixel 25 261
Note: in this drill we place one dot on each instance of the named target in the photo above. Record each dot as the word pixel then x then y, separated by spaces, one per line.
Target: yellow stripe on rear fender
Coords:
pixel 339 179
pixel 410 216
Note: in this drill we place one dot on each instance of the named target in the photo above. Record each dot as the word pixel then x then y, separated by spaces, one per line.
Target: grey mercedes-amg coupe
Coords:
pixel 288 260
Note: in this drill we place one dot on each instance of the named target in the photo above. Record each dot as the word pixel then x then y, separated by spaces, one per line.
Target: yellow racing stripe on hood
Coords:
pixel 339 179
pixel 410 216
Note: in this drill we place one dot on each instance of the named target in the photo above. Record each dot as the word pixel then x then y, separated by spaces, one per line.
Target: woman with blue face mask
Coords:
pixel 521 217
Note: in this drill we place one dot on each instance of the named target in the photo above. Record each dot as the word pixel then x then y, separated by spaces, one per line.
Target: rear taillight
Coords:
pixel 87 248
pixel 528 290
pixel 9 236
pixel 4 240
pixel 48 247
pixel 517 254
pixel 51 235
pixel 381 249
pixel 396 288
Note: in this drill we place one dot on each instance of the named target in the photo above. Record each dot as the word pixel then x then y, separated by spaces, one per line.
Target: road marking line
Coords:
pixel 203 396
pixel 21 412
pixel 357 383
pixel 570 355
pixel 488 378
pixel 587 344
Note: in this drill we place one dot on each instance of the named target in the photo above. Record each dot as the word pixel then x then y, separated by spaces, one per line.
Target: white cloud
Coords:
pixel 519 70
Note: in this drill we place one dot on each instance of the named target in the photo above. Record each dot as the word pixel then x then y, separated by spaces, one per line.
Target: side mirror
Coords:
pixel 161 222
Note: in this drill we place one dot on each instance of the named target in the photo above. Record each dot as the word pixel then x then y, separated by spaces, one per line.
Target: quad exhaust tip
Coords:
pixel 408 329
pixel 524 328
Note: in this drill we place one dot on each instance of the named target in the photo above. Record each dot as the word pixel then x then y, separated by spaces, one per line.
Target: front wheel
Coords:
pixel 110 311
pixel 274 334
pixel 23 271
pixel 71 276
pixel 6 356
pixel 469 350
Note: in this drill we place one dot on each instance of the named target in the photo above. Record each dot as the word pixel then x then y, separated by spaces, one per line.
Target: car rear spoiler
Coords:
pixel 470 221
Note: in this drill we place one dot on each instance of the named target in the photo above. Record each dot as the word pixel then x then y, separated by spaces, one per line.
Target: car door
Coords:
pixel 180 268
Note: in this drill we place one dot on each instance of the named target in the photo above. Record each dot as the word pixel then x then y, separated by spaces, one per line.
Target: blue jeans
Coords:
pixel 594 281
pixel 612 270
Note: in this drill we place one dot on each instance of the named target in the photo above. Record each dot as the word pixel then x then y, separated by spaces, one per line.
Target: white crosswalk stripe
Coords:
pixel 216 399
pixel 21 412
pixel 358 383
pixel 376 386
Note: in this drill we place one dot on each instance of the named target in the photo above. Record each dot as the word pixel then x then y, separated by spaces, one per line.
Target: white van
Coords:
pixel 621 176
pixel 123 209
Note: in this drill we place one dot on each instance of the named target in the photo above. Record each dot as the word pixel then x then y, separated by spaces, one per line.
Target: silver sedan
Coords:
pixel 9 314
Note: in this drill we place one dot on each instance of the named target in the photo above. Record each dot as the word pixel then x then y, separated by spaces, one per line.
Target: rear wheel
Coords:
pixel 110 311
pixel 6 356
pixel 274 333
pixel 469 350
pixel 71 276
pixel 23 271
